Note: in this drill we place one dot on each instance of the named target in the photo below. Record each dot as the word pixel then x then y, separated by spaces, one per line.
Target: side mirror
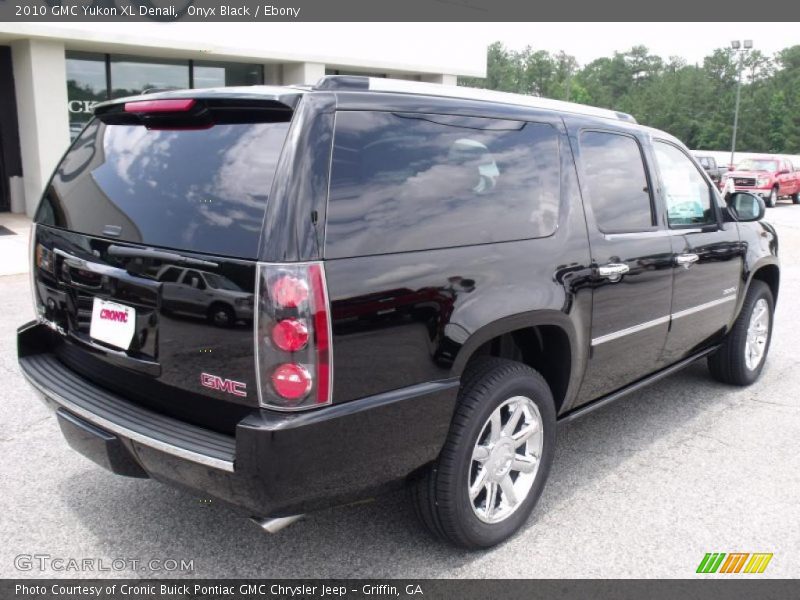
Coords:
pixel 746 206
pixel 783 172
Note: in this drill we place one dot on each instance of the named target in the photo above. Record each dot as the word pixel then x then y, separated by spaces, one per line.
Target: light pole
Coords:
pixel 737 46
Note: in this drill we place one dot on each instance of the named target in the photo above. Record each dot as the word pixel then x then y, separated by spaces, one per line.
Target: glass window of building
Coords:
pixel 351 72
pixel 86 86
pixel 88 79
pixel 133 75
pixel 217 74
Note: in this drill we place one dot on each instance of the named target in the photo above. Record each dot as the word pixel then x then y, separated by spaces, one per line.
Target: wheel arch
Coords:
pixel 544 340
pixel 770 274
pixel 767 270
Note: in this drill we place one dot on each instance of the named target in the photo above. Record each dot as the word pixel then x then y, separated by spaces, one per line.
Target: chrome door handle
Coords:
pixel 613 271
pixel 686 260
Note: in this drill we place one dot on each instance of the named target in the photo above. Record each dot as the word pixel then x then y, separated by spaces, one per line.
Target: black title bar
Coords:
pixel 385 10
pixel 730 588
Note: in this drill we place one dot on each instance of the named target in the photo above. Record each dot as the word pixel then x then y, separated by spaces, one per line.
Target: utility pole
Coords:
pixel 737 46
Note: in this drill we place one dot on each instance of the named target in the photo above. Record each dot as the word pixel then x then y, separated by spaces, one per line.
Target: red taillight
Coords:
pixel 289 292
pixel 291 381
pixel 160 106
pixel 321 327
pixel 290 335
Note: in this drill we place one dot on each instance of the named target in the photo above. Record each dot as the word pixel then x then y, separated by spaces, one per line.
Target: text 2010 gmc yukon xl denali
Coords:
pixel 437 276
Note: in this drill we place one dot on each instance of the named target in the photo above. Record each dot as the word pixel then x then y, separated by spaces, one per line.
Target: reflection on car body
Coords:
pixel 199 293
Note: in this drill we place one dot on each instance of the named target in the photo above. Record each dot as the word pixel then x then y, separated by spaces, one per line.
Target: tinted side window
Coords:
pixel 616 182
pixel 193 279
pixel 402 182
pixel 170 275
pixel 685 190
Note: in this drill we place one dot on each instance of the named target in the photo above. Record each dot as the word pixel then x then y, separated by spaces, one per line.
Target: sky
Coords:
pixel 692 41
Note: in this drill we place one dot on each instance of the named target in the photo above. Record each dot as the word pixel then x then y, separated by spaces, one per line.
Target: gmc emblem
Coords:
pixel 229 386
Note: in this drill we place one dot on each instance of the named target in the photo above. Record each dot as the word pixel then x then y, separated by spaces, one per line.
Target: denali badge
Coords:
pixel 237 388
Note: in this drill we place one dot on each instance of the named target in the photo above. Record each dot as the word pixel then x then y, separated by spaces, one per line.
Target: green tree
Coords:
pixel 693 102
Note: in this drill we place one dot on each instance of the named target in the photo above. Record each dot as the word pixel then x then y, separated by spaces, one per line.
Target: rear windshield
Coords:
pixel 203 190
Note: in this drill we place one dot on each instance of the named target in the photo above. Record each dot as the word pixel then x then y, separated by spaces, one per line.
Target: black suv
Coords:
pixel 437 276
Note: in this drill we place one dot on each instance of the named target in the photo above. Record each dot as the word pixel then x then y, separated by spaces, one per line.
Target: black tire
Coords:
pixel 441 495
pixel 728 364
pixel 221 315
pixel 796 198
pixel 772 199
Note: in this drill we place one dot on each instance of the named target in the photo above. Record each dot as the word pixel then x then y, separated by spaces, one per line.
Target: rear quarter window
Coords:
pixel 403 182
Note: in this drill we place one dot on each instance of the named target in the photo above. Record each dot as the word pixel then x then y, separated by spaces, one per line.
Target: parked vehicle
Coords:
pixel 709 164
pixel 190 291
pixel 440 276
pixel 770 177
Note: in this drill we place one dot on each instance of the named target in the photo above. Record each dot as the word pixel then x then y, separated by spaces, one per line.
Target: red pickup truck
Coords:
pixel 771 177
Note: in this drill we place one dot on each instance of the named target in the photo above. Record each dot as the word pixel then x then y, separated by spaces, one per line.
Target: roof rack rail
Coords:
pixel 402 86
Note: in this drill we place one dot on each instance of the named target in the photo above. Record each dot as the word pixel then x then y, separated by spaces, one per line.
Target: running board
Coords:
pixel 636 386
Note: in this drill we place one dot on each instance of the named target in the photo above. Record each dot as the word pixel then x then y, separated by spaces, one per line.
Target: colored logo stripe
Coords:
pixel 758 563
pixel 710 562
pixel 735 561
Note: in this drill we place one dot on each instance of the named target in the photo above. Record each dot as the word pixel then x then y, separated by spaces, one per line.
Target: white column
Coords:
pixel 444 79
pixel 272 74
pixel 40 79
pixel 302 73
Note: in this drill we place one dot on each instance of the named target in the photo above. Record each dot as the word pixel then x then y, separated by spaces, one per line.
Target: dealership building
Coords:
pixel 51 74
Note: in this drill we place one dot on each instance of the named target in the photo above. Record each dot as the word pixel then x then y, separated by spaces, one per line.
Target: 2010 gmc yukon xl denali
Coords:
pixel 435 276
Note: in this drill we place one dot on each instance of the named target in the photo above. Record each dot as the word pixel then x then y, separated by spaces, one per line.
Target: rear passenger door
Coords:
pixel 631 260
pixel 708 256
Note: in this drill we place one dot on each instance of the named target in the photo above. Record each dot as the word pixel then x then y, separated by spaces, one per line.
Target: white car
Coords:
pixel 194 292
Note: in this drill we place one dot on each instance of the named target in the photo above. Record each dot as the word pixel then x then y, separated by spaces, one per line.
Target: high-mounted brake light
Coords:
pixel 171 105
pixel 292 336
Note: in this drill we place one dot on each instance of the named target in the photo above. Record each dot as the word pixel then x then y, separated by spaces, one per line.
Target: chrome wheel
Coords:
pixel 505 459
pixel 773 197
pixel 757 335
pixel 222 317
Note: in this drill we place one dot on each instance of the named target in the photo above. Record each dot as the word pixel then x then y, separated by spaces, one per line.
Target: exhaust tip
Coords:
pixel 274 525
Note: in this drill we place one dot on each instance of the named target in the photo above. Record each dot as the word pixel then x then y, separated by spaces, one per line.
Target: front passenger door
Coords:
pixel 707 255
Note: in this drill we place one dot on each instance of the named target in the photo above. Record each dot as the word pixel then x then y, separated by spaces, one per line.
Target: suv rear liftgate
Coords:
pixel 148 288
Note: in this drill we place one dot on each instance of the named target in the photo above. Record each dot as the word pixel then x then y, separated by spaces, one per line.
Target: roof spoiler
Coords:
pixel 276 97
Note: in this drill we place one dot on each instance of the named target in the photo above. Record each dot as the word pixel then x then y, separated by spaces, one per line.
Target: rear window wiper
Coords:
pixel 126 252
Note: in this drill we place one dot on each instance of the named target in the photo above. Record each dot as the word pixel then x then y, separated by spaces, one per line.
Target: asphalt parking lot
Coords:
pixel 642 488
